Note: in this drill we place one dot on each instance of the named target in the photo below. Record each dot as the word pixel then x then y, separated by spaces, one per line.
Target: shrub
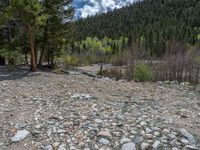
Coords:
pixel 71 60
pixel 143 73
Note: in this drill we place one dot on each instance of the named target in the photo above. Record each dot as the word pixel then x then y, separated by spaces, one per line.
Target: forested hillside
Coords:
pixel 153 22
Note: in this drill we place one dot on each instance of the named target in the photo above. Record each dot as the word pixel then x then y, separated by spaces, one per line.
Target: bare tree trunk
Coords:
pixel 32 47
pixel 26 58
pixel 2 61
pixel 45 39
pixel 52 59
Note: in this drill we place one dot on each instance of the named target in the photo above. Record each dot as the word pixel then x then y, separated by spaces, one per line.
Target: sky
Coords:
pixel 86 8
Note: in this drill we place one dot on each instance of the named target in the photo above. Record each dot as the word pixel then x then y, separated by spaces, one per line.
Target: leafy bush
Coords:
pixel 71 60
pixel 143 73
pixel 13 57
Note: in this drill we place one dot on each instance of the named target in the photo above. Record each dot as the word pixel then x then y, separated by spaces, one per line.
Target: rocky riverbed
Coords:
pixel 47 111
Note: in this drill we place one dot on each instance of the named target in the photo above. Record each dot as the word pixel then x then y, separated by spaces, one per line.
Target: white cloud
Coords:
pixel 88 10
pixel 93 7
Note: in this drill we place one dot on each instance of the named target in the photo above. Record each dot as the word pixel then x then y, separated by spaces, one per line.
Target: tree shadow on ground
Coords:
pixel 10 73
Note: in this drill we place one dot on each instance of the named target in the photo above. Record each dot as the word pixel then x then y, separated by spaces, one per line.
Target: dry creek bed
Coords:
pixel 47 111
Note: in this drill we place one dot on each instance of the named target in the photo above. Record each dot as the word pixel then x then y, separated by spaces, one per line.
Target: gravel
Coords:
pixel 44 110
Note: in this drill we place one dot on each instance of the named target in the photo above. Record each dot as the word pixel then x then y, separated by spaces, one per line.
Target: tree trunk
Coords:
pixel 32 48
pixel 52 59
pixel 2 61
pixel 26 58
pixel 45 39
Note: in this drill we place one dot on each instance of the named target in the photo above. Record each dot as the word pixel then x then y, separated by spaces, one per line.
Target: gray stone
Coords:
pixel 191 147
pixel 125 140
pixel 99 121
pixel 48 147
pixel 106 134
pixel 156 133
pixel 172 136
pixel 156 144
pixel 104 141
pixel 20 125
pixel 189 136
pixel 175 148
pixel 143 123
pixel 166 130
pixel 81 96
pixel 20 135
pixel 148 130
pixel 138 139
pixel 56 144
pixel 128 146
pixel 145 146
pixel 62 147
pixel 185 141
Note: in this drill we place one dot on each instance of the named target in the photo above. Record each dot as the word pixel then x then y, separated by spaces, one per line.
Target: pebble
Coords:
pixel 105 134
pixel 145 146
pixel 192 147
pixel 48 147
pixel 128 146
pixel 109 115
pixel 62 147
pixel 125 140
pixel 104 141
pixel 189 136
pixel 20 135
pixel 156 144
pixel 185 141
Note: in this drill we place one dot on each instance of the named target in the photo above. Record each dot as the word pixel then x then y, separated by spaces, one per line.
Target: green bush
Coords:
pixel 71 60
pixel 143 73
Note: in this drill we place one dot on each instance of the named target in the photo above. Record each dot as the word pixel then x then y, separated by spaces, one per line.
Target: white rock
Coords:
pixel 166 130
pixel 125 140
pixel 148 130
pixel 48 147
pixel 156 133
pixel 20 135
pixel 99 121
pixel 189 136
pixel 156 144
pixel 143 123
pixel 81 96
pixel 104 141
pixel 106 134
pixel 185 141
pixel 62 147
pixel 56 144
pixel 38 126
pixel 191 147
pixel 128 146
pixel 145 146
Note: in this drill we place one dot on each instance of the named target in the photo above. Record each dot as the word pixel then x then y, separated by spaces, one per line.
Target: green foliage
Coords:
pixel 28 11
pixel 71 60
pixel 13 57
pixel 153 22
pixel 45 20
pixel 143 73
pixel 94 50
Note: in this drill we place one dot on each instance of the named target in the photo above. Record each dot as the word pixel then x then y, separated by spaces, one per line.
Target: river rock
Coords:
pixel 20 135
pixel 104 141
pixel 105 134
pixel 189 136
pixel 128 146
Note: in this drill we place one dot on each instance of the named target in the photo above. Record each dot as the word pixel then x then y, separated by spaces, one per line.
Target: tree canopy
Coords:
pixel 155 22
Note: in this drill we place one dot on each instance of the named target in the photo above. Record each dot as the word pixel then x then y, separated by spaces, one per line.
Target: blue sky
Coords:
pixel 86 8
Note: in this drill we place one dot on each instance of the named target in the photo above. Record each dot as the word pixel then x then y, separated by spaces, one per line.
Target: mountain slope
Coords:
pixel 153 21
